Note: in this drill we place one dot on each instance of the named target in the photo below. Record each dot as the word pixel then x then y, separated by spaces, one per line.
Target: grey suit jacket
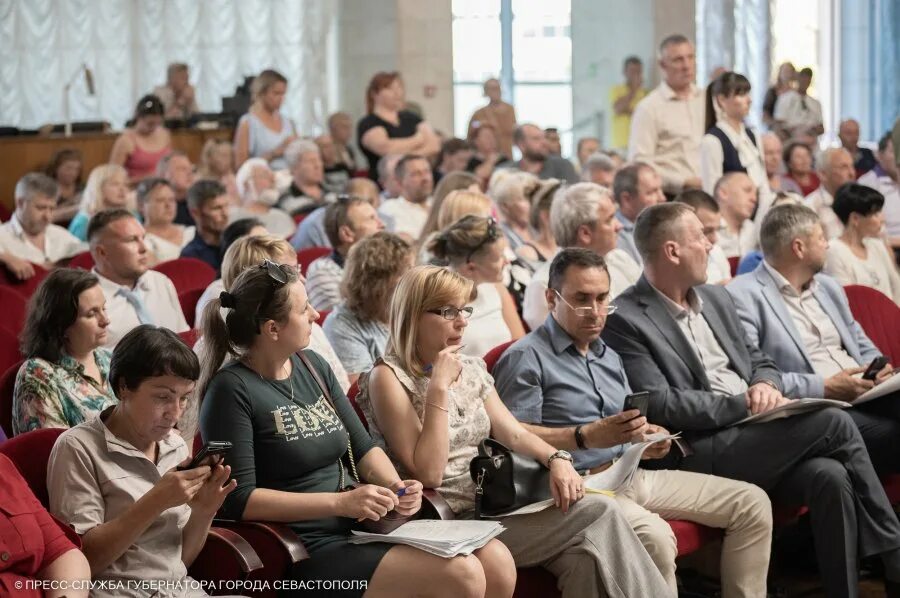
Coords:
pixel 659 359
pixel 768 323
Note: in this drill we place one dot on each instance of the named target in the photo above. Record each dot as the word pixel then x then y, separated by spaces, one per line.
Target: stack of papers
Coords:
pixel 890 385
pixel 442 538
pixel 619 475
pixel 794 407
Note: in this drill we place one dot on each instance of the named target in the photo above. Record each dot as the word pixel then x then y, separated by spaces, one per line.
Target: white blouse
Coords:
pixel 877 270
pixel 486 328
pixel 165 250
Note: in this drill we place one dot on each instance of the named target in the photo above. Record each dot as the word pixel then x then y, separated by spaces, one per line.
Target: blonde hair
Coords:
pixel 205 168
pixel 370 274
pixel 452 181
pixel 362 187
pixel 421 289
pixel 250 251
pixel 462 203
pixel 92 199
pixel 263 81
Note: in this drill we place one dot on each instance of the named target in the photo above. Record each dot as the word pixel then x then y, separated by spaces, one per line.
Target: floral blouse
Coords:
pixel 468 420
pixel 59 395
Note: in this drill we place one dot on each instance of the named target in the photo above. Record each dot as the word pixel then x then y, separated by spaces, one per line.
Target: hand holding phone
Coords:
pixel 209 451
pixel 639 401
pixel 876 366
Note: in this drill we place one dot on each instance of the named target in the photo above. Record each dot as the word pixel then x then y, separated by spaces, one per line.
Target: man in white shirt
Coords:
pixel 668 124
pixel 736 196
pixel 798 113
pixel 30 235
pixel 134 294
pixel 835 168
pixel 635 187
pixel 407 214
pixel 718 270
pixel 883 178
pixel 582 215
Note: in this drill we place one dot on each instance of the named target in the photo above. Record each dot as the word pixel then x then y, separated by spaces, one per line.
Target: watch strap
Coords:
pixel 579 437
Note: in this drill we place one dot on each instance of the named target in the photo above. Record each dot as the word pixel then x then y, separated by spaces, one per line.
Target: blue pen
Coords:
pixel 401 492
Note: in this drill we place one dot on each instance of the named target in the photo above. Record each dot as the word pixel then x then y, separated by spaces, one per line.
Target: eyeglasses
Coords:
pixel 279 276
pixel 493 233
pixel 450 313
pixel 604 309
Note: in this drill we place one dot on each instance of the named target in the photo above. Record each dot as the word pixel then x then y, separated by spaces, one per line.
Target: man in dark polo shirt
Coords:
pixel 208 204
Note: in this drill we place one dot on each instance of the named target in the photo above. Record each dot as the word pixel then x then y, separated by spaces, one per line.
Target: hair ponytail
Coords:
pixel 216 345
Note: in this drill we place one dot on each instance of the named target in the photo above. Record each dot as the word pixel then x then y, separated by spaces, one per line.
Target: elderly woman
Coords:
pixel 524 204
pixel 107 187
pixel 307 190
pixel 65 168
pixel 256 185
pixel 140 147
pixel 430 407
pixel 357 328
pixel 798 161
pixel 156 202
pixel 265 132
pixel 65 378
pixel 217 164
pixel 860 255
pixel 389 129
pixel 293 429
pixel 114 479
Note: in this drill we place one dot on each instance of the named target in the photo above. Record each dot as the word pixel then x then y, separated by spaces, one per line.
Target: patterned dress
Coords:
pixel 60 395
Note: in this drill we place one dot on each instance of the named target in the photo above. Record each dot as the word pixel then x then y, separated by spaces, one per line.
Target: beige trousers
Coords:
pixel 741 509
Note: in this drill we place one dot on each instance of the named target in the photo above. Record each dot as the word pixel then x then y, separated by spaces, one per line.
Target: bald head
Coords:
pixel 836 168
pixel 848 132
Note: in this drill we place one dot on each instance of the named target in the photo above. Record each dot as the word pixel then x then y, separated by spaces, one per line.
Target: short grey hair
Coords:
pixel 824 161
pixel 513 185
pixel 783 224
pixel 657 224
pixel 573 207
pixel 597 161
pixel 626 180
pixel 672 40
pixel 296 149
pixel 35 183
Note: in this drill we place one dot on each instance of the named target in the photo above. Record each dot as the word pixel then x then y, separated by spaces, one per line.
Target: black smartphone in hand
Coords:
pixel 876 366
pixel 210 449
pixel 639 401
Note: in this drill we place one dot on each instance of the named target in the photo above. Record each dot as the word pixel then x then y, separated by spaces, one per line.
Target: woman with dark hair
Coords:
pixel 264 131
pixel 65 378
pixel 798 161
pixel 299 447
pixel 65 168
pixel 483 137
pixel 140 147
pixel 115 480
pixel 729 146
pixel 389 129
pixel 860 255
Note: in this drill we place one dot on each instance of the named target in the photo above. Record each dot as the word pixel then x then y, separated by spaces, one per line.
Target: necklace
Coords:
pixel 271 382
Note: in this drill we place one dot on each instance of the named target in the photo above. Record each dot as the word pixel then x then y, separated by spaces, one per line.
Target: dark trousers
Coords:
pixel 818 460
pixel 879 425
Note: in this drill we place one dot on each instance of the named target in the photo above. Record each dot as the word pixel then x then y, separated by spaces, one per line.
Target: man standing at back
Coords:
pixel 667 125
pixel 497 113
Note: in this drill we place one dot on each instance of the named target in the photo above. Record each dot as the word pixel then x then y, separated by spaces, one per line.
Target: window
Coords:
pixel 527 46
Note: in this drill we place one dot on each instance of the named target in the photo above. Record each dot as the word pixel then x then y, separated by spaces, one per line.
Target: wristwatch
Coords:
pixel 560 454
pixel 579 437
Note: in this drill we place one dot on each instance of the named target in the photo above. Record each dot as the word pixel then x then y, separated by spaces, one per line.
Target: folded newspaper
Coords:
pixel 618 477
pixel 442 538
pixel 794 407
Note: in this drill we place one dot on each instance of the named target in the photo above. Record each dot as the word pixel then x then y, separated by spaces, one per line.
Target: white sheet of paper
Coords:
pixel 890 385
pixel 619 475
pixel 794 407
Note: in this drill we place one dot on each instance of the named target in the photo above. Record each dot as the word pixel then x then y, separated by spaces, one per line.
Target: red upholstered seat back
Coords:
pixel 879 318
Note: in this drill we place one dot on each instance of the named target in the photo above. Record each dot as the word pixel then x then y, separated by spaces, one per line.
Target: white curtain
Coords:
pixel 128 44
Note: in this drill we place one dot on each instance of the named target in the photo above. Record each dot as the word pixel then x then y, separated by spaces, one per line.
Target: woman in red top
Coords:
pixel 798 161
pixel 34 545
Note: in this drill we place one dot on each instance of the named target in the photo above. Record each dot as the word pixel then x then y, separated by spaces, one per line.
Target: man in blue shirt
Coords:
pixel 568 387
pixel 208 204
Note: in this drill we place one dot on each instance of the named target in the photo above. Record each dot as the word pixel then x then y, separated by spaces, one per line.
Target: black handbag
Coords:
pixel 505 481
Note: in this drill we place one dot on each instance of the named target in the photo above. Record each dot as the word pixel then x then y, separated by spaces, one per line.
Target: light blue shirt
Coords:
pixel 626 237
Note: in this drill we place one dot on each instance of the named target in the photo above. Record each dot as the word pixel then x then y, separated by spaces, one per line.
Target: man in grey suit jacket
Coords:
pixel 801 318
pixel 683 342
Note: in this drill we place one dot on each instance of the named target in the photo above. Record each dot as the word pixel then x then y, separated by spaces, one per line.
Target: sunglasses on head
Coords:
pixel 279 277
pixel 492 234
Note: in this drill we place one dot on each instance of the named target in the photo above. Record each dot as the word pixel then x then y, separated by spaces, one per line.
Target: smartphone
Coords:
pixel 210 449
pixel 876 366
pixel 639 401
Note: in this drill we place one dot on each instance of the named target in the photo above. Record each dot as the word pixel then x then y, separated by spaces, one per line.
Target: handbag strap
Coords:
pixel 318 378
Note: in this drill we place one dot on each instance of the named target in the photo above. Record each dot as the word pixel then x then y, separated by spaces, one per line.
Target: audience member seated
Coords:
pixel 30 235
pixel 389 129
pixel 835 169
pixel 454 156
pixel 164 238
pixel 801 318
pixel 785 80
pixel 358 326
pixel 311 231
pixel 798 161
pixel 474 247
pixel 863 158
pixel 340 129
pixel 543 381
pixel 773 156
pixel 114 479
pixel 667 125
pixel 736 195
pixel 497 114
pixel 582 215
pixel 208 202
pixel 536 158
pixel 336 172
pixel 134 294
pixel 598 168
pixel 431 407
pixel 584 149
pixel 749 262
pixel 554 144
pixel 256 185
pixel 36 545
pixel 217 164
pixel 65 378
pixel 307 191
pixel 107 189
pixel 269 319
pixel 486 155
pixel 718 269
pixel 65 167
pixel 623 98
pixel 683 342
pixel 406 214
pixel 455 181
pixel 513 195
pixel 798 114
pixel 142 145
pixel 542 246
pixel 884 178
pixel 347 221
pixel 264 131
pixel 387 176
pixel 635 187
pixel 176 168
pixel 178 96
pixel 729 146
pixel 859 255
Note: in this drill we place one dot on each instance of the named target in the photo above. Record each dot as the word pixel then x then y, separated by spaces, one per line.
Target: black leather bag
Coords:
pixel 505 481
